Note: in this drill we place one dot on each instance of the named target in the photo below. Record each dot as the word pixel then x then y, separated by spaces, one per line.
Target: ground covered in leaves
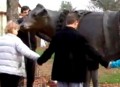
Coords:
pixel 43 76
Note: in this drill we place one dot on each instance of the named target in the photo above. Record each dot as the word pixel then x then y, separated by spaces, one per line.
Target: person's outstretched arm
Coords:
pixel 25 50
pixel 47 53
pixel 92 53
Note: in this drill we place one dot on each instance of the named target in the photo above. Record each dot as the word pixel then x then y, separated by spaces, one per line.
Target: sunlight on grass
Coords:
pixel 40 50
pixel 109 75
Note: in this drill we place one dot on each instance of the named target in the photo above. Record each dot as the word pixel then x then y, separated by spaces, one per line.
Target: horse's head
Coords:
pixel 38 20
pixel 44 21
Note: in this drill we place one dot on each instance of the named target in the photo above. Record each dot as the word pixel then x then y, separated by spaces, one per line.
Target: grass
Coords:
pixel 110 78
pixel 109 75
pixel 40 50
pixel 105 75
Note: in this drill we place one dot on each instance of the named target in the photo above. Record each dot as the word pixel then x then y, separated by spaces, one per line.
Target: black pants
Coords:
pixel 30 71
pixel 7 80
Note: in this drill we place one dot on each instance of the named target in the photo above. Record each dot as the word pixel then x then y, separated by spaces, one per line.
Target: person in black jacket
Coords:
pixel 30 40
pixel 70 48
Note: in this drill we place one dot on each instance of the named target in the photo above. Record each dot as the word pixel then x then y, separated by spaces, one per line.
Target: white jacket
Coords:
pixel 12 52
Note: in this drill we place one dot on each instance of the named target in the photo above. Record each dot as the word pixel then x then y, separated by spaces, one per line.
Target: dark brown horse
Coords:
pixel 100 28
pixel 39 20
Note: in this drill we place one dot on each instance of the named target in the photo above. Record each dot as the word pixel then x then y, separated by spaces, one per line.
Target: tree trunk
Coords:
pixel 12 10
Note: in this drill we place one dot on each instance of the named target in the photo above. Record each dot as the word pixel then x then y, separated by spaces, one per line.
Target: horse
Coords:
pixel 101 29
pixel 39 21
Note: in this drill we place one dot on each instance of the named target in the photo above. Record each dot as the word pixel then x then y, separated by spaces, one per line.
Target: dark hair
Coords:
pixel 72 17
pixel 23 8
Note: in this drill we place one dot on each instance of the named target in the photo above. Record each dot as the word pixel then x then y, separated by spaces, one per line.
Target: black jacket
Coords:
pixel 27 37
pixel 92 64
pixel 70 50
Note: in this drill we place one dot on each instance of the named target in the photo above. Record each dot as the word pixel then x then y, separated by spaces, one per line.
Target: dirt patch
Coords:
pixel 43 76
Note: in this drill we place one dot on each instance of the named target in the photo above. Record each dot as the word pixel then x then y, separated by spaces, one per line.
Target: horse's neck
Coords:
pixel 53 14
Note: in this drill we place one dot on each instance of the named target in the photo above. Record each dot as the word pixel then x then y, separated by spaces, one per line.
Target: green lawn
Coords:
pixel 109 75
pixel 40 50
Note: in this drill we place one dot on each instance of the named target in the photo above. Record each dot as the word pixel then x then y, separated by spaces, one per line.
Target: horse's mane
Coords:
pixel 61 19
pixel 117 20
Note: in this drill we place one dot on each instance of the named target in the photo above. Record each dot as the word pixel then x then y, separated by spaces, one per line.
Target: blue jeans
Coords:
pixel 64 84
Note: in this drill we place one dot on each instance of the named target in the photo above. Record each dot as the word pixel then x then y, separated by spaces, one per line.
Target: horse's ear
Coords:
pixel 76 11
pixel 39 5
pixel 44 11
pixel 40 10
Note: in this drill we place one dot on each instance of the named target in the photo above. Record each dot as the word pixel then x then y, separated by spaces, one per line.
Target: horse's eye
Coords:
pixel 34 15
pixel 43 12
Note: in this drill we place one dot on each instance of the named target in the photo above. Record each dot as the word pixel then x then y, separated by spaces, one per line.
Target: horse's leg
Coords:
pixel 30 71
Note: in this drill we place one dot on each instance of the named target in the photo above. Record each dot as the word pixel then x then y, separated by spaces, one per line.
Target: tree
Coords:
pixel 12 10
pixel 92 7
pixel 107 4
pixel 65 5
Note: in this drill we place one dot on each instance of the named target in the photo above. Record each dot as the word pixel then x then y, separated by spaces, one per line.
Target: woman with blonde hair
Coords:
pixel 12 52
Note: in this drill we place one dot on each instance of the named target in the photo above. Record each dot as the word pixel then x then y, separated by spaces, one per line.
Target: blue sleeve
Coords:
pixel 115 64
